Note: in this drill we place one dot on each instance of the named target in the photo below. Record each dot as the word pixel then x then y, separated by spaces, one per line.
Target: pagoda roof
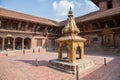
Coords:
pixel 88 17
pixel 95 15
pixel 97 1
pixel 26 17
pixel 70 27
pixel 104 14
pixel 74 38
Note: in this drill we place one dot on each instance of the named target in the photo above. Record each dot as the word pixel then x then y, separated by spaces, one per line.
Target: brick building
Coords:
pixel 20 31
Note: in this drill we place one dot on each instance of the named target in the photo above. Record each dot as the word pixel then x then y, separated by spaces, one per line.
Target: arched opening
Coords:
pixel 64 51
pixel 1 44
pixel 27 43
pixel 18 43
pixel 8 43
pixel 78 52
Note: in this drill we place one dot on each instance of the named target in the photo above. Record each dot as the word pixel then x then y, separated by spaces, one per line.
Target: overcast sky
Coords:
pixel 51 9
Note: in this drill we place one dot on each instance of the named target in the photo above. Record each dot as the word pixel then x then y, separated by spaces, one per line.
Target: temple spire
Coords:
pixel 71 27
pixel 70 14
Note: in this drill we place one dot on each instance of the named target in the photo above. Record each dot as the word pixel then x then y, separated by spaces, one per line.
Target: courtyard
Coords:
pixel 34 66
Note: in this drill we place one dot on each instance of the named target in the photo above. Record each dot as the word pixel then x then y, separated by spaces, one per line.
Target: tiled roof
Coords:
pixel 95 15
pixel 88 17
pixel 103 14
pixel 26 17
pixel 79 19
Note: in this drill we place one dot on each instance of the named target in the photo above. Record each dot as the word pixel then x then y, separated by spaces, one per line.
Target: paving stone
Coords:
pixel 23 67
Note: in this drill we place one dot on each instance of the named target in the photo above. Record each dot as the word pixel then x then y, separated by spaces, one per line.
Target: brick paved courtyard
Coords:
pixel 23 67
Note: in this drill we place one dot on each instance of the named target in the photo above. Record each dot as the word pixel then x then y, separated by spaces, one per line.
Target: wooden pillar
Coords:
pixel 13 43
pixel 98 25
pixel 9 25
pixel 3 43
pixel 50 30
pixel 45 31
pixel 115 23
pixel 0 23
pixel 37 28
pixel 19 25
pixel 26 26
pixel 34 26
pixel 22 43
pixel 56 30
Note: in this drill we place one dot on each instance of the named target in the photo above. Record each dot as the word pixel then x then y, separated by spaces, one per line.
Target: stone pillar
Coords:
pixel 82 52
pixel 71 53
pixel 59 51
pixel 23 44
pixel 13 43
pixel 3 43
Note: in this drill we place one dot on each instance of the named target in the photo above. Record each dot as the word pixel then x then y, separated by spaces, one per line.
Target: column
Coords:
pixel 26 27
pixel 13 43
pixel 3 43
pixel 59 51
pixel 82 52
pixel 23 43
pixel 45 31
pixel 0 23
pixel 19 25
pixel 33 29
pixel 115 23
pixel 98 25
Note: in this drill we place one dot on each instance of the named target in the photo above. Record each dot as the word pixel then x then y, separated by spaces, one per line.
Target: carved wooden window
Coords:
pixel 95 39
pixel 39 42
pixel 94 26
pixel 109 4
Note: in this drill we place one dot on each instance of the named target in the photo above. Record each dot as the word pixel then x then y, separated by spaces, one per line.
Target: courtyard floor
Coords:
pixel 23 67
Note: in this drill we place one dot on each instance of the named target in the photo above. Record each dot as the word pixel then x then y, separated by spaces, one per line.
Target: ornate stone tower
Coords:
pixel 73 43
pixel 71 39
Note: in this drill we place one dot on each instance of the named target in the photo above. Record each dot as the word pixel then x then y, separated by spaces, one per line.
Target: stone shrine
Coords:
pixel 73 43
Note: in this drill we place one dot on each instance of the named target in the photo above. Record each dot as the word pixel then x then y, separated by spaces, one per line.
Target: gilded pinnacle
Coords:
pixel 71 27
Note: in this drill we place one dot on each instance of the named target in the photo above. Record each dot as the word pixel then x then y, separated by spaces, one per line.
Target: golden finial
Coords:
pixel 70 14
pixel 70 27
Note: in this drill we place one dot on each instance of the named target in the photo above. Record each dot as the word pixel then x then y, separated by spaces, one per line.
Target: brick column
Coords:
pixel 3 43
pixel 22 43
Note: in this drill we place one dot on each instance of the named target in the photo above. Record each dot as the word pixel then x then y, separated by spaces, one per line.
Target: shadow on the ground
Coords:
pixel 109 72
pixel 35 62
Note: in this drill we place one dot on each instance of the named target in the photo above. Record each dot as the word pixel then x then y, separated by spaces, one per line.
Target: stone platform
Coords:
pixel 64 65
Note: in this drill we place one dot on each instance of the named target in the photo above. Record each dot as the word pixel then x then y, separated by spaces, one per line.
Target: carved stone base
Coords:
pixel 65 66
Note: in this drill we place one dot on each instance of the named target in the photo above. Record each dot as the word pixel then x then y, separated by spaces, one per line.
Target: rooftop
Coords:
pixel 88 17
pixel 26 17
